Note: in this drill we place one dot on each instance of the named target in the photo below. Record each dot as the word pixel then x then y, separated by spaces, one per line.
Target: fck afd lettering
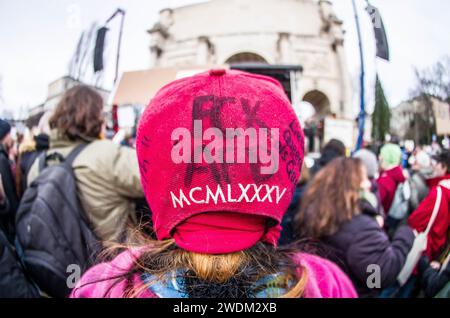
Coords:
pixel 230 145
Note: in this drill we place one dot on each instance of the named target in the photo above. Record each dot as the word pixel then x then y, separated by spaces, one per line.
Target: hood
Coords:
pixel 396 174
pixel 445 183
pixel 58 140
pixel 433 182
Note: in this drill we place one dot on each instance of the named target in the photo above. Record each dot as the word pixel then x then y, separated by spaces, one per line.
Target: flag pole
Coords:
pixel 362 112
pixel 122 13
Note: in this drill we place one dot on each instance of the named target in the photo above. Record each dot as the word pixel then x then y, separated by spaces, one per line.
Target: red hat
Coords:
pixel 220 154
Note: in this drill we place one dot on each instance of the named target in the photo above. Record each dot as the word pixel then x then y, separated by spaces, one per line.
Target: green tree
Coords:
pixel 382 114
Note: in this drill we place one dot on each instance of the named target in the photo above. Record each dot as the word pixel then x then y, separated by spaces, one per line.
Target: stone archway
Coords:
pixel 246 57
pixel 314 126
pixel 320 101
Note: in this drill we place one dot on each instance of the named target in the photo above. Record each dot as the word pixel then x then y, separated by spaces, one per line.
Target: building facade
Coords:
pixel 277 32
pixel 421 118
pixel 56 90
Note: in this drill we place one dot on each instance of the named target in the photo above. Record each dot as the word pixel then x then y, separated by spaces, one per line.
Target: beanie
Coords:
pixel 5 128
pixel 369 160
pixel 219 154
pixel 391 155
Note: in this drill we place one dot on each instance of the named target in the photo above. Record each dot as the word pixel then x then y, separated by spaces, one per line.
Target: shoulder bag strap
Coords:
pixel 437 205
pixel 74 153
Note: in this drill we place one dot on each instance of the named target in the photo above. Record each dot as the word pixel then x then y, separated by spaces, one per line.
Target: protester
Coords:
pixel 223 245
pixel 333 149
pixel 128 140
pixel 369 160
pixel 13 281
pixel 420 218
pixel 339 210
pixel 29 151
pixel 7 178
pixel 107 175
pixel 288 233
pixel 421 172
pixel 37 142
pixel 391 174
pixel 433 279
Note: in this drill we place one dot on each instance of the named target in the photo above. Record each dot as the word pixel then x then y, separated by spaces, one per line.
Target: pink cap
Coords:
pixel 178 181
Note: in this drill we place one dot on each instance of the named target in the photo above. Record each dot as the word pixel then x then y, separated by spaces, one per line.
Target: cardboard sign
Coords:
pixel 442 117
pixel 341 129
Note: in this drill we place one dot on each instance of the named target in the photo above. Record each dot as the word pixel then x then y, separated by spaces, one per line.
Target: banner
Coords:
pixel 344 130
pixel 380 32
pixel 99 48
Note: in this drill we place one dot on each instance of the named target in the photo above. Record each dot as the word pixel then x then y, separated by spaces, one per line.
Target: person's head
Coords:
pixel 395 140
pixel 421 161
pixel 5 135
pixel 441 164
pixel 43 127
pixel 369 159
pixel 305 174
pixel 79 114
pixel 217 207
pixel 333 149
pixel 332 198
pixel 390 156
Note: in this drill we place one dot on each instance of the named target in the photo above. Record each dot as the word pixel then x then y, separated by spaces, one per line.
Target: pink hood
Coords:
pixel 325 279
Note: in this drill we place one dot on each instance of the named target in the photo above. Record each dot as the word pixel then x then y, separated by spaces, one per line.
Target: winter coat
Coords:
pixel 325 279
pixel 432 280
pixel 421 216
pixel 374 189
pixel 13 281
pixel 387 185
pixel 362 242
pixel 7 216
pixel 288 233
pixel 28 154
pixel 108 182
pixel 419 188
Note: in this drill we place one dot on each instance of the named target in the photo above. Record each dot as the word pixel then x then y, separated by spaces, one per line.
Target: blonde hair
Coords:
pixel 162 257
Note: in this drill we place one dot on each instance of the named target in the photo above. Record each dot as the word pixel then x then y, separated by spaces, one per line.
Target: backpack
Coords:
pixel 53 232
pixel 400 205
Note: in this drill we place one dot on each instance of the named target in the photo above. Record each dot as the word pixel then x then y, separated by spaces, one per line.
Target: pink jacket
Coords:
pixel 325 279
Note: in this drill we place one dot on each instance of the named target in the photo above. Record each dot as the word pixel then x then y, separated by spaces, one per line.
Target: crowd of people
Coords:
pixel 372 224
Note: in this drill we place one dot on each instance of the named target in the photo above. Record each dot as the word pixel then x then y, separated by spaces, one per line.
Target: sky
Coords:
pixel 39 37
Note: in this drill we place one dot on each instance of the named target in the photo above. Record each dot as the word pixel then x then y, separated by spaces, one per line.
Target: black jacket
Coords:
pixel 288 234
pixel 7 216
pixel 13 281
pixel 433 281
pixel 362 242
pixel 27 159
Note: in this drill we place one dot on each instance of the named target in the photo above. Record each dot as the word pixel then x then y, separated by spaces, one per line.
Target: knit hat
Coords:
pixel 220 154
pixel 391 155
pixel 369 159
pixel 5 128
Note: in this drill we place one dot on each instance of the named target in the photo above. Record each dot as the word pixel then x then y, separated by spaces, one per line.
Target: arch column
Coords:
pixel 246 57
